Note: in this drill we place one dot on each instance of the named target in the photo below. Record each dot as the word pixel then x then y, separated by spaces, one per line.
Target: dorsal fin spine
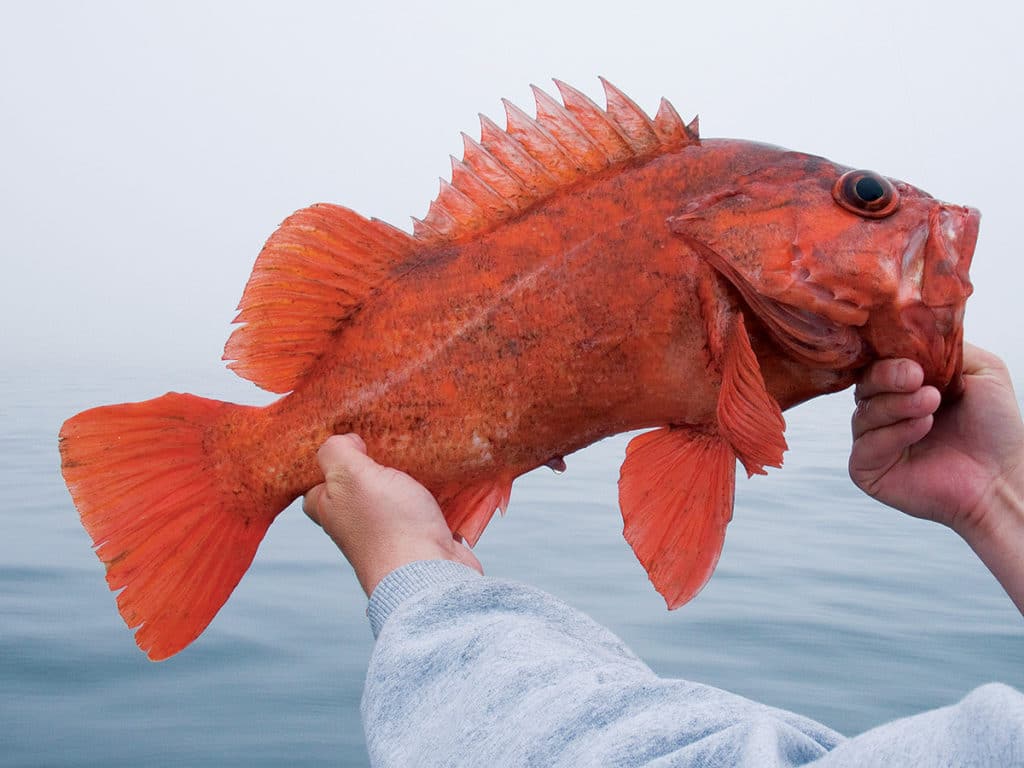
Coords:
pixel 534 157
pixel 670 127
pixel 597 123
pixel 497 176
pixel 517 161
pixel 469 181
pixel 457 202
pixel 636 125
pixel 693 129
pixel 539 143
pixel 452 208
pixel 567 130
pixel 422 230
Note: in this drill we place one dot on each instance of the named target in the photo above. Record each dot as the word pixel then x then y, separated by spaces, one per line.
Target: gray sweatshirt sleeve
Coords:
pixel 480 672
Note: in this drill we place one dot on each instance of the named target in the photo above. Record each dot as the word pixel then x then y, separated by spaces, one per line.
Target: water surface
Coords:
pixel 824 602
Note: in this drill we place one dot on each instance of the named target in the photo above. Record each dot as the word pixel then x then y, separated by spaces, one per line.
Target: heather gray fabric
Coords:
pixel 471 671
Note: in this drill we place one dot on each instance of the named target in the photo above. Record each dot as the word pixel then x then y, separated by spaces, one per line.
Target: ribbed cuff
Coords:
pixel 404 582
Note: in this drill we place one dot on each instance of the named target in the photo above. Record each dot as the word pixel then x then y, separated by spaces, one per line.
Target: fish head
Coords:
pixel 842 266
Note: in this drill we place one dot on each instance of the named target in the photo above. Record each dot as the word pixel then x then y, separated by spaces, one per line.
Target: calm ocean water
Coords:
pixel 824 602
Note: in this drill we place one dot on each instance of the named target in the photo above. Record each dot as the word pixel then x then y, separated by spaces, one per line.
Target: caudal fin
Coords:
pixel 153 484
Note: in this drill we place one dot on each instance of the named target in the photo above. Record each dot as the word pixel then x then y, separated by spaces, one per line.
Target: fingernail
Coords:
pixel 902 373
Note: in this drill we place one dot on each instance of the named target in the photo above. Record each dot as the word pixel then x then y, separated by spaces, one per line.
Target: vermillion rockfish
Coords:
pixel 585 272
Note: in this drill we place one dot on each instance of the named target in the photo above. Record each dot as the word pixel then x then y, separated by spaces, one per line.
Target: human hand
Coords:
pixel 380 518
pixel 953 465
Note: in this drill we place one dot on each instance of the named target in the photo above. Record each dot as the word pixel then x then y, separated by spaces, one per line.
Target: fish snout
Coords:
pixel 952 235
pixel 945 288
pixel 925 320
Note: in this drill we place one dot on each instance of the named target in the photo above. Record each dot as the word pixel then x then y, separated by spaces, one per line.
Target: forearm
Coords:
pixel 478 671
pixel 998 538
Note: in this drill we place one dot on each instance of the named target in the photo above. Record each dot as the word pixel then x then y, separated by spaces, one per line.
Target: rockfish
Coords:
pixel 585 272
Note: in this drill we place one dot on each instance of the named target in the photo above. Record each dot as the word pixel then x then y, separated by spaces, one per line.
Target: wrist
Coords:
pixel 997 534
pixel 391 556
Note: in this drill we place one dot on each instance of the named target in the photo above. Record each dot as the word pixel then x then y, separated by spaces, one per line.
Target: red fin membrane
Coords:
pixel 509 170
pixel 676 494
pixel 468 509
pixel 748 417
pixel 325 261
pixel 319 266
pixel 174 539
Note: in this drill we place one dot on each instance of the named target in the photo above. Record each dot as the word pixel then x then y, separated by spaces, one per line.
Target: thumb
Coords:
pixel 311 503
pixel 342 452
pixel 339 457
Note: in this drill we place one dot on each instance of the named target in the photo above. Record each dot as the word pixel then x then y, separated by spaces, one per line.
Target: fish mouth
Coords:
pixel 925 320
pixel 944 289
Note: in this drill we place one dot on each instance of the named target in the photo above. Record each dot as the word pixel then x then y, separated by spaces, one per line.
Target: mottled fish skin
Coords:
pixel 585 272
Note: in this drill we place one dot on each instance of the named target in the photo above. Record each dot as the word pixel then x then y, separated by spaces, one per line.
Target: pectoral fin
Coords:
pixel 676 493
pixel 749 418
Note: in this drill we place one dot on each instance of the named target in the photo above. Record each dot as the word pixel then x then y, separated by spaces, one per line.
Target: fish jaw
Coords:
pixel 925 321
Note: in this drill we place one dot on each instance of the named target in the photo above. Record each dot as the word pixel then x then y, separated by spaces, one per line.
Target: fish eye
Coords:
pixel 866 194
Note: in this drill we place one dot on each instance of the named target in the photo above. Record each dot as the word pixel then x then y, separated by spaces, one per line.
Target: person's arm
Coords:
pixel 961 464
pixel 474 671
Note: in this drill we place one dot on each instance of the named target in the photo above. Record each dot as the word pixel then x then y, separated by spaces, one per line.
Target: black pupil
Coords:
pixel 869 189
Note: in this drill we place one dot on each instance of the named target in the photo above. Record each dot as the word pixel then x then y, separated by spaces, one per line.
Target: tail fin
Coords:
pixel 152 483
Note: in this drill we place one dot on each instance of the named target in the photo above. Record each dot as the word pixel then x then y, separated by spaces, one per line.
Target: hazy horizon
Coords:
pixel 149 151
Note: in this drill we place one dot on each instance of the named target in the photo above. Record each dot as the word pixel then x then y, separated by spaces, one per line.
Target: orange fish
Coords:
pixel 584 273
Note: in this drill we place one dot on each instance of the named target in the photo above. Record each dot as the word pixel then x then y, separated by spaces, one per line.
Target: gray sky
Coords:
pixel 149 149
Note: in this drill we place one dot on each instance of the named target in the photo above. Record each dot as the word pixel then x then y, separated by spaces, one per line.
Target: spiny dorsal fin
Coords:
pixel 510 170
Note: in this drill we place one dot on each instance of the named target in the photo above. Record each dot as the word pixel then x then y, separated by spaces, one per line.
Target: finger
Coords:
pixel 356 440
pixel 889 408
pixel 879 449
pixel 311 503
pixel 343 457
pixel 889 376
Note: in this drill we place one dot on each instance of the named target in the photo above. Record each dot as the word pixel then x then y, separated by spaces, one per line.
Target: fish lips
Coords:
pixel 945 288
pixel 925 321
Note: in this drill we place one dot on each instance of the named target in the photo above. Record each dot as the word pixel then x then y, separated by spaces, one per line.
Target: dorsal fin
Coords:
pixel 323 262
pixel 317 268
pixel 511 170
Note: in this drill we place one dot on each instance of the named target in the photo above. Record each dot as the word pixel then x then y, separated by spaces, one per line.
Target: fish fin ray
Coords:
pixel 175 539
pixel 468 509
pixel 748 416
pixel 532 158
pixel 314 272
pixel 676 495
pixel 633 121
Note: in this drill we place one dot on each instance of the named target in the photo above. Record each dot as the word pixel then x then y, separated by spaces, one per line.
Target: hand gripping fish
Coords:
pixel 585 272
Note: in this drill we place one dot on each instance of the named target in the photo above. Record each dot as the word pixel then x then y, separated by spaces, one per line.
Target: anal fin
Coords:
pixel 676 495
pixel 469 508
